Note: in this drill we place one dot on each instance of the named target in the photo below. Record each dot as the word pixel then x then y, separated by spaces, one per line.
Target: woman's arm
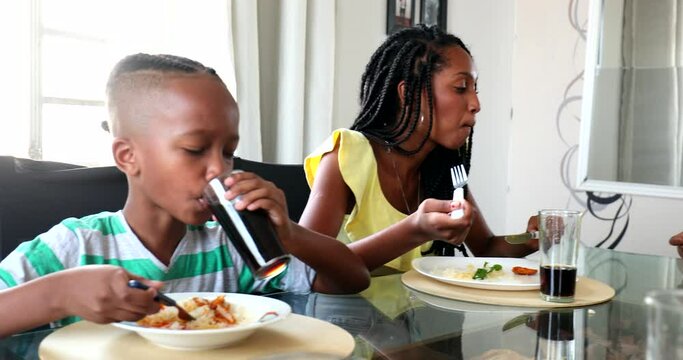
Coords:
pixel 483 242
pixel 331 199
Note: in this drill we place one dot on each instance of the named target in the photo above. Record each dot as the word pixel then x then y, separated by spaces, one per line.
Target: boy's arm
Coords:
pixel 338 269
pixel 98 293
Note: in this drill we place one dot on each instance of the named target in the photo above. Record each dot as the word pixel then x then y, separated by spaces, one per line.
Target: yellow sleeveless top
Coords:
pixel 372 212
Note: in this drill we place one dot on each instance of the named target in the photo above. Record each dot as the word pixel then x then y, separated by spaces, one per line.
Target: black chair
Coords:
pixel 36 195
pixel 290 178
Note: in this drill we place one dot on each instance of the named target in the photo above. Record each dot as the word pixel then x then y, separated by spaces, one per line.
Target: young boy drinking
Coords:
pixel 175 127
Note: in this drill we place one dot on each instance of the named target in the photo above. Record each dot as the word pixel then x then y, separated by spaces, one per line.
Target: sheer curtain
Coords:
pixel 285 76
pixel 650 145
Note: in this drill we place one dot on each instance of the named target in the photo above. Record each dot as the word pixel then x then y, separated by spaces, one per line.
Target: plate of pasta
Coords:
pixel 221 319
pixel 480 272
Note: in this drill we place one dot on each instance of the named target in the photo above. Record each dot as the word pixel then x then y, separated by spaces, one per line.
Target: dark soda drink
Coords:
pixel 258 245
pixel 250 232
pixel 558 281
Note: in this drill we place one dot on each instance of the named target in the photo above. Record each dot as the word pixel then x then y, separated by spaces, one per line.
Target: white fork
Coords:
pixel 459 179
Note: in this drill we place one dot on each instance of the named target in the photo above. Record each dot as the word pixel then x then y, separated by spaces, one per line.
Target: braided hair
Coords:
pixel 139 71
pixel 412 55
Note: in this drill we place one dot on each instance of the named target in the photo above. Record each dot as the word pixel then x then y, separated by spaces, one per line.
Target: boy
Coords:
pixel 175 127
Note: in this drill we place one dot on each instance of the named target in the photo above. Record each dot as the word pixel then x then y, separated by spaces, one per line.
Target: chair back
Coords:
pixel 36 195
pixel 288 177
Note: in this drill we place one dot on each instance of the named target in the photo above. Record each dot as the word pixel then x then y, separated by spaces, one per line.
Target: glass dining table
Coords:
pixel 391 321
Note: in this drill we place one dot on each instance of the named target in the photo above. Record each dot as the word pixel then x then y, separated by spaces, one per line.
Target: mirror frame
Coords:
pixel 593 34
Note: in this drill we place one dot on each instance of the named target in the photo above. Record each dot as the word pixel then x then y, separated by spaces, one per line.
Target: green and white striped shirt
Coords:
pixel 203 261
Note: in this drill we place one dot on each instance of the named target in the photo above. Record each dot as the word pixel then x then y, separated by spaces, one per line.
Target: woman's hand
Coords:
pixel 100 293
pixel 432 221
pixel 256 193
pixel 677 241
pixel 532 225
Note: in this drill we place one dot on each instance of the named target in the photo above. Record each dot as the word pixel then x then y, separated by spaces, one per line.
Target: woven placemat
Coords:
pixel 588 292
pixel 296 334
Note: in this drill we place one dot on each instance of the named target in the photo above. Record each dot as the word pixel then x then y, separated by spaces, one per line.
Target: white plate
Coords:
pixel 251 307
pixel 435 267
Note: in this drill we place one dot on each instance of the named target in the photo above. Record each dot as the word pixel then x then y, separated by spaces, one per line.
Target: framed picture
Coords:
pixel 433 12
pixel 400 14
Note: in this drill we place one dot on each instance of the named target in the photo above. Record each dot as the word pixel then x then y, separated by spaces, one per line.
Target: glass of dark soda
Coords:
pixel 250 232
pixel 559 246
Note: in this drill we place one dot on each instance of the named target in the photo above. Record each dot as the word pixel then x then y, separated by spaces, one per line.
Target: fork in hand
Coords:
pixel 459 179
pixel 182 314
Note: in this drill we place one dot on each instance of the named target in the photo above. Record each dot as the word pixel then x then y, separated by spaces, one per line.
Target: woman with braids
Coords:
pixel 384 186
pixel 175 127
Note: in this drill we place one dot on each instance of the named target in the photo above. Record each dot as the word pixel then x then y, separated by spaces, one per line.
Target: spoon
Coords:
pixel 163 299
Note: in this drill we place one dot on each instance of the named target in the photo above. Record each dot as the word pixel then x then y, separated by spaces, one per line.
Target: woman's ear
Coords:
pixel 124 156
pixel 401 89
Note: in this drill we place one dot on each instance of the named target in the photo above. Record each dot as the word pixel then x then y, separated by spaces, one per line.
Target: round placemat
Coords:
pixel 588 292
pixel 302 336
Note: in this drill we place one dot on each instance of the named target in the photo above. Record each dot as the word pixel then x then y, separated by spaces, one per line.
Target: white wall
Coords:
pixel 486 27
pixel 361 28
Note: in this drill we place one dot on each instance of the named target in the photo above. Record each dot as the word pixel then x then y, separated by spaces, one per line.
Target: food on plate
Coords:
pixel 208 313
pixel 484 271
pixel 472 272
pixel 521 270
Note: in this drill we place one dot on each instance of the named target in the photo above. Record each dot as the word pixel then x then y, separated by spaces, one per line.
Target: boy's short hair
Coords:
pixel 135 75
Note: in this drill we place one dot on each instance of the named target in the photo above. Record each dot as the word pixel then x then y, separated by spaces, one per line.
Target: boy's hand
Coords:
pixel 432 220
pixel 256 193
pixel 100 293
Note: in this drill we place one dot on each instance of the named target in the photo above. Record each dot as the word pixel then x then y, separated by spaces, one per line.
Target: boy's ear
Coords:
pixel 124 156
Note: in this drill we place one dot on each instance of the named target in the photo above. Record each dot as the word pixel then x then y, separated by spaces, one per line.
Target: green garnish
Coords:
pixel 484 271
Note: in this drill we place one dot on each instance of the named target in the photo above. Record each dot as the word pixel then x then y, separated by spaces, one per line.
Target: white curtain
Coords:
pixel 284 68
pixel 650 145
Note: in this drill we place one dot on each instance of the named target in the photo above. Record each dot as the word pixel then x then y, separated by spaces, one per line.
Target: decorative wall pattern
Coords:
pixel 611 210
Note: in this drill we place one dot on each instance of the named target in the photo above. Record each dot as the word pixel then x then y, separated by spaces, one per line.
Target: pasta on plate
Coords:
pixel 208 313
pixel 468 273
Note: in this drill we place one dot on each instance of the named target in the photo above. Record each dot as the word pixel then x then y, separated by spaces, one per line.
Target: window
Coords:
pixel 64 51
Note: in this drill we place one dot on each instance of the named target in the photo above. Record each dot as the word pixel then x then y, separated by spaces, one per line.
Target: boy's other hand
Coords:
pixel 677 241
pixel 100 293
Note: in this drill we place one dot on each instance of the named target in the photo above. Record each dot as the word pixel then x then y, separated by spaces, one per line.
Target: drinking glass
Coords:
pixel 250 232
pixel 664 324
pixel 559 246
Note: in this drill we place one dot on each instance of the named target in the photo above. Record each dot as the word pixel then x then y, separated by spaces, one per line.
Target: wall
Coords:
pixel 361 28
pixel 486 27
pixel 530 60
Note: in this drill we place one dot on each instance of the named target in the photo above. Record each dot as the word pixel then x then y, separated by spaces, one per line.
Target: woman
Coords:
pixel 384 186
